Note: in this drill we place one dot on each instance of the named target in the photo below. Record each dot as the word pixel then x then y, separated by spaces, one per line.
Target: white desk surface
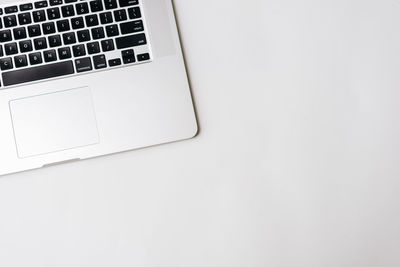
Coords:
pixel 297 162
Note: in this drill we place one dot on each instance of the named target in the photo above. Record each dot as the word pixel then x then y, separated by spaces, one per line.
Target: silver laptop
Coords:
pixel 81 79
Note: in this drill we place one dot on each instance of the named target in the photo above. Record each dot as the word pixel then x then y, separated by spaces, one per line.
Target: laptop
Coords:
pixel 81 79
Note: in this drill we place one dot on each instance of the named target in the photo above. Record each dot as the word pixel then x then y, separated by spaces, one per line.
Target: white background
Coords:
pixel 296 164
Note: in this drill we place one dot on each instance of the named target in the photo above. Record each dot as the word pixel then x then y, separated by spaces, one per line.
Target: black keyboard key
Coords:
pixel 83 64
pixel 1 11
pixel 128 56
pixel 99 62
pixel 24 18
pixel 50 55
pixel 40 4
pixel 11 9
pixel 106 18
pixel 64 52
pixel 96 6
pixel 134 13
pixel 83 36
pixel 131 27
pixel 79 50
pixel 20 61
pixel 97 33
pixel 40 43
pixel 48 28
pixel 77 23
pixel 69 38
pixel 1 51
pixel 107 45
pixel 5 36
pixel 1 24
pixel 55 2
pixel 25 46
pixel 11 49
pixel 34 30
pixel 114 62
pixel 143 57
pixel 129 52
pixel 110 4
pixel 68 11
pixel 92 20
pixel 38 73
pixel 6 64
pixel 53 13
pixel 39 16
pixel 34 59
pixel 55 40
pixel 70 1
pixel 10 21
pixel 25 7
pixel 129 59
pixel 112 30
pixel 93 48
pixel 63 25
pixel 82 8
pixel 131 41
pixel 19 33
pixel 120 15
pixel 123 3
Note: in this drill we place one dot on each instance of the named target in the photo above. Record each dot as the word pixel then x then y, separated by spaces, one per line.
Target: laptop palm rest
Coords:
pixel 54 122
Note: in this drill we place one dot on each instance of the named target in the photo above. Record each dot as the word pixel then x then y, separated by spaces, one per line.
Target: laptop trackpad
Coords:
pixel 54 122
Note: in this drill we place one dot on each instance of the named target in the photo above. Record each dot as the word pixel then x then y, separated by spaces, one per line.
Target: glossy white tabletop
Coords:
pixel 297 162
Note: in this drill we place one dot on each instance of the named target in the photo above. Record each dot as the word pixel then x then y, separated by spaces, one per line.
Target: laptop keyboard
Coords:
pixel 48 39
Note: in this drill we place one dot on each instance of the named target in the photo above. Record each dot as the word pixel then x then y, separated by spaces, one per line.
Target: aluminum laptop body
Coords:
pixel 81 79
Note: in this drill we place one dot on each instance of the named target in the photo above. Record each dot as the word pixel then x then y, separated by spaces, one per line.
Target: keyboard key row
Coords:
pixel 128 56
pixel 63 68
pixel 53 42
pixel 36 58
pixel 78 50
pixel 70 39
pixel 95 6
pixel 64 26
pixel 91 20
pixel 11 20
pixel 22 60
